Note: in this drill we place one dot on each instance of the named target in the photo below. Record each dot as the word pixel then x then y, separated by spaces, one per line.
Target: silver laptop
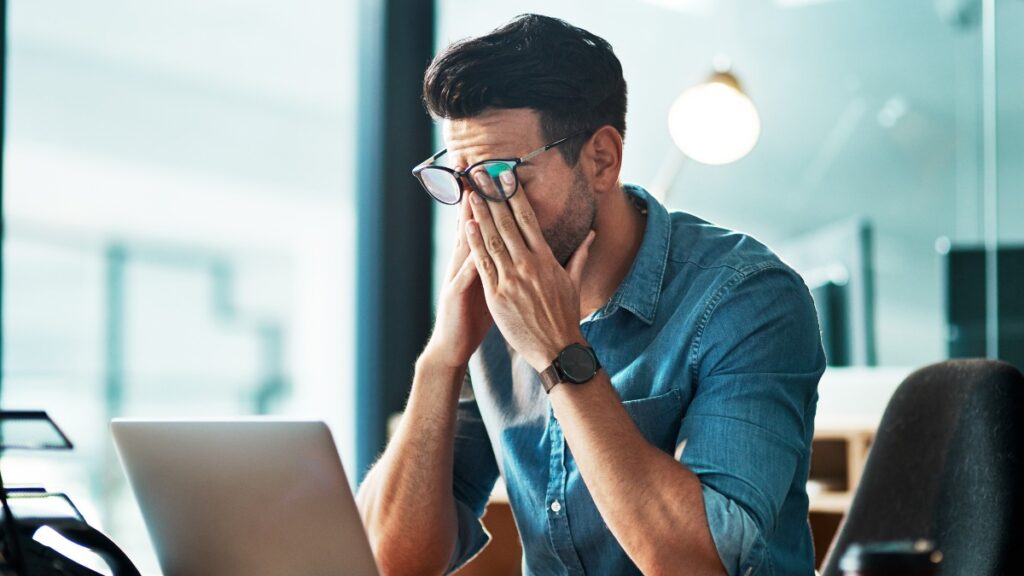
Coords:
pixel 248 496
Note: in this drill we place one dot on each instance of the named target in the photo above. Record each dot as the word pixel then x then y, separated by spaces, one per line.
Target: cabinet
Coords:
pixel 503 554
pixel 838 453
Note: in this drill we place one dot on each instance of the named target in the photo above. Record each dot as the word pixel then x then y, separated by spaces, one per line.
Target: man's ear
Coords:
pixel 602 158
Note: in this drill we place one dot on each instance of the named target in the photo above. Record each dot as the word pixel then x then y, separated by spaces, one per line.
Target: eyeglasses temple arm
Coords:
pixel 432 158
pixel 547 147
pixel 542 150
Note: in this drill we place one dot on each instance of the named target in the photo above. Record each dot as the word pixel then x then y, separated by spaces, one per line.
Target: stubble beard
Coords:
pixel 575 221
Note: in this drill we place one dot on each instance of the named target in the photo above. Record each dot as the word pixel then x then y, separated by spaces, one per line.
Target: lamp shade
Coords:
pixel 714 122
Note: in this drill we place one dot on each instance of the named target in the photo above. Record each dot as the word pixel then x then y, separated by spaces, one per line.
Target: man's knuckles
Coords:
pixel 507 224
pixel 485 267
pixel 495 245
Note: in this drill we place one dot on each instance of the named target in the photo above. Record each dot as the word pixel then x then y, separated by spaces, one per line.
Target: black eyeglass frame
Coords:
pixel 462 175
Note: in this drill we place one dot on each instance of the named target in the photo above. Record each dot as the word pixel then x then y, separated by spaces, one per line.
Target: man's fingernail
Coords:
pixel 475 198
pixel 506 178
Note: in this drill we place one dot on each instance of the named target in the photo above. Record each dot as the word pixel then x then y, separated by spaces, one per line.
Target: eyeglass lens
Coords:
pixel 441 185
pixel 485 178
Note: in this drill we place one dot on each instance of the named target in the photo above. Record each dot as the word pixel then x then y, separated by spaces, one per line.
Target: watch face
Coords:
pixel 577 363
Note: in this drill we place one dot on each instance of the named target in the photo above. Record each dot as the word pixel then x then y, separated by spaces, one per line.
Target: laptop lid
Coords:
pixel 247 496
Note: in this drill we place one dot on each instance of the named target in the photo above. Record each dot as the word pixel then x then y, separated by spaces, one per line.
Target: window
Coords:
pixel 180 217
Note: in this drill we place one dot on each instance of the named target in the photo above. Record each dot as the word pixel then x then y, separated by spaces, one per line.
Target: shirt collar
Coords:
pixel 640 290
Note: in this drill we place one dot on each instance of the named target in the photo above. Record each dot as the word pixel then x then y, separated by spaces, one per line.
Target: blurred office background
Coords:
pixel 187 189
pixel 180 224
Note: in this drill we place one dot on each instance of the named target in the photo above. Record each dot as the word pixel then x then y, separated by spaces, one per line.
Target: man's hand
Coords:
pixel 462 316
pixel 532 298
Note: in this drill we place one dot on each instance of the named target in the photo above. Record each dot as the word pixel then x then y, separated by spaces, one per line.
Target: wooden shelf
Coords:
pixel 831 502
pixel 839 451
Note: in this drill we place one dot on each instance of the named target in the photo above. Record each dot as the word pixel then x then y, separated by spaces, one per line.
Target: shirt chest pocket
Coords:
pixel 658 418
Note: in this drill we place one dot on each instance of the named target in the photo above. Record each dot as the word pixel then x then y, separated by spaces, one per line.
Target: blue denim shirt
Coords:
pixel 712 344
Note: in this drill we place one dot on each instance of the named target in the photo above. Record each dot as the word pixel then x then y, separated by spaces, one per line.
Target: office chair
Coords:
pixel 947 464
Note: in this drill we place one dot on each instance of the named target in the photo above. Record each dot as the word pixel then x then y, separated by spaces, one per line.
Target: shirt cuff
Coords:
pixel 737 538
pixel 471 539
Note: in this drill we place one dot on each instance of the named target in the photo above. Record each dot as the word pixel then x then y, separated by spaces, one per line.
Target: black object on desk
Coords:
pixel 34 430
pixel 901 558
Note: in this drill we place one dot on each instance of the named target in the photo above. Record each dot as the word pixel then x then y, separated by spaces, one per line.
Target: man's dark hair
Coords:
pixel 568 75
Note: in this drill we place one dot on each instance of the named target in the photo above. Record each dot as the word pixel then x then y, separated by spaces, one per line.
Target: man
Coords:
pixel 643 382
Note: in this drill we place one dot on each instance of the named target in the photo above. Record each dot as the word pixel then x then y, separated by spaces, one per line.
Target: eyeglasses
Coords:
pixel 445 184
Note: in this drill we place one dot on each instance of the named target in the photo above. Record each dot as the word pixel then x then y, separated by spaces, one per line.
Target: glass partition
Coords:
pixel 871 116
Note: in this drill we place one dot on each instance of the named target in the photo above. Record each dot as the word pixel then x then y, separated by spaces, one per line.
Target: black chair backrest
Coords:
pixel 946 464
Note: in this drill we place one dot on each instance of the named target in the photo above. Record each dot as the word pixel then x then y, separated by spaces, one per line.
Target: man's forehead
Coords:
pixel 506 132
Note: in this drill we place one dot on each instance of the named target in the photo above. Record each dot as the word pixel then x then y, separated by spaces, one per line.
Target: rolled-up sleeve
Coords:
pixel 734 532
pixel 474 476
pixel 747 430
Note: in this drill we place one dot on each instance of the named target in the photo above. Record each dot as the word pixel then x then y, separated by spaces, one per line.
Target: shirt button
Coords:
pixel 556 507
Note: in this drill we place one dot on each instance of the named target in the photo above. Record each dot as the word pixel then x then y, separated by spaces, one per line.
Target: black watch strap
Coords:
pixel 550 377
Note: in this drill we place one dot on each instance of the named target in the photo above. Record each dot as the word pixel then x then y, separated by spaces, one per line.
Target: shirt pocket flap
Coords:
pixel 658 418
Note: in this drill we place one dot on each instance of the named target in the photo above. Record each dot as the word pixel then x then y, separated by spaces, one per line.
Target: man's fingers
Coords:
pixel 579 260
pixel 526 219
pixel 502 216
pixel 484 264
pixel 460 253
pixel 466 274
pixel 489 237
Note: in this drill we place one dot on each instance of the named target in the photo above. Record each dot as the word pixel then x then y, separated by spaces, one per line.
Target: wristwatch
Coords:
pixel 575 364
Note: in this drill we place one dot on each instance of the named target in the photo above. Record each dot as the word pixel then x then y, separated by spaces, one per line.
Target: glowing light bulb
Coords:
pixel 714 122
